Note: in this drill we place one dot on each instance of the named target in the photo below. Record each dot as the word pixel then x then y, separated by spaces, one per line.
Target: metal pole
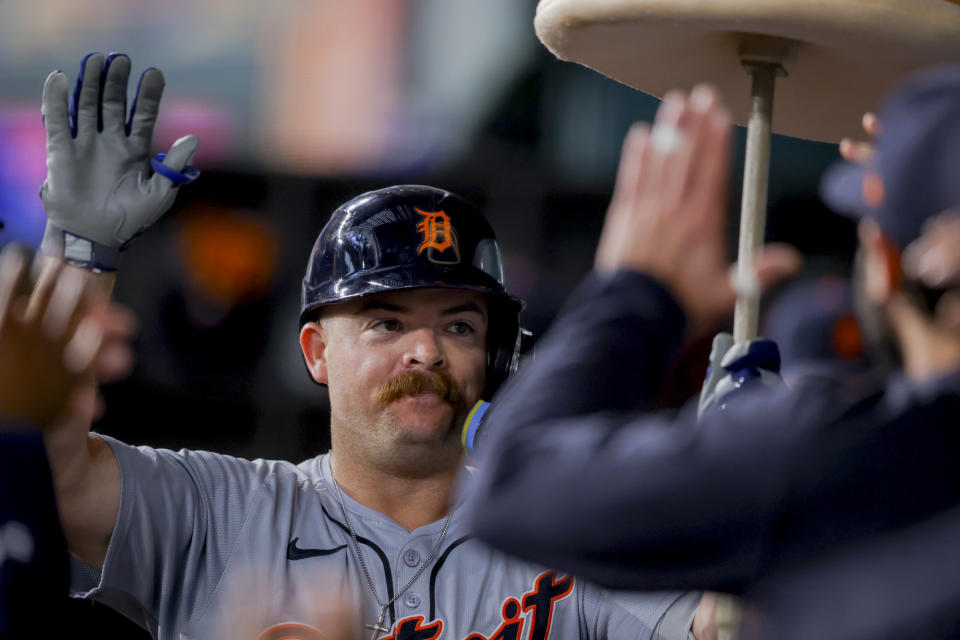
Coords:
pixel 753 207
pixel 753 218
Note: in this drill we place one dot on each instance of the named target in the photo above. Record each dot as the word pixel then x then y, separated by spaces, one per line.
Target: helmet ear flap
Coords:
pixel 507 341
pixel 498 368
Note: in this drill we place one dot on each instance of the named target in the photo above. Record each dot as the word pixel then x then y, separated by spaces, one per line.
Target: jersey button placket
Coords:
pixel 411 599
pixel 411 558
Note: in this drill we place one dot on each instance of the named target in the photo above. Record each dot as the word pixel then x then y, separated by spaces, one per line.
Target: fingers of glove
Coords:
pixel 178 158
pixel 725 386
pixel 722 342
pixel 113 106
pixel 14 280
pixel 146 105
pixel 736 355
pixel 85 103
pixel 721 345
pixel 56 116
pixel 182 152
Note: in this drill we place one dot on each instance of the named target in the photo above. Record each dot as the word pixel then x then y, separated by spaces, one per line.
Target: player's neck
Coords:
pixel 411 502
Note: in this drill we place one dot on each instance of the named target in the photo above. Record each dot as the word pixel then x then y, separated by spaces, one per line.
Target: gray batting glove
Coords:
pixel 735 366
pixel 99 192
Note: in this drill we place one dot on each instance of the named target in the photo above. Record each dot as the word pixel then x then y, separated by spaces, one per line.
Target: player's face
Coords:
pixel 371 350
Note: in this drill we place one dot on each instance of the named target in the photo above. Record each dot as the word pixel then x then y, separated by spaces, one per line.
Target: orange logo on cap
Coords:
pixel 439 238
pixel 436 230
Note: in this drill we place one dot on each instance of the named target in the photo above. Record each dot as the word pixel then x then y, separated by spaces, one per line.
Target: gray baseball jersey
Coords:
pixel 204 541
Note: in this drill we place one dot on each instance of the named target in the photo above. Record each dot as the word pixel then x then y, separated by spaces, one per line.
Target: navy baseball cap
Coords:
pixel 812 320
pixel 915 173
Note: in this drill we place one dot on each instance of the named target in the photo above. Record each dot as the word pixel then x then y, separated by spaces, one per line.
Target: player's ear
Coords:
pixel 883 272
pixel 313 343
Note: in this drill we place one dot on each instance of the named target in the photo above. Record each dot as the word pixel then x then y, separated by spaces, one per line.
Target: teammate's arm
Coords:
pixel 631 514
pixel 99 194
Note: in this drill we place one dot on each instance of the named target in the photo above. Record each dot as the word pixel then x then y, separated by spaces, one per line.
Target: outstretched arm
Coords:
pixel 102 189
pixel 50 349
pixel 571 475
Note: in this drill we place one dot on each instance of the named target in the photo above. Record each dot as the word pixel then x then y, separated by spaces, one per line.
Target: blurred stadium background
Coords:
pixel 300 105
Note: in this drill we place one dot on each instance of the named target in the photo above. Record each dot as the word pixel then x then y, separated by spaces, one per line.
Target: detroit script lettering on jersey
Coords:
pixel 288 561
pixel 537 604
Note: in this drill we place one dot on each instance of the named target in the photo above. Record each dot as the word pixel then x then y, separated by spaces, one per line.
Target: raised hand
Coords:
pixel 50 344
pixel 99 192
pixel 668 213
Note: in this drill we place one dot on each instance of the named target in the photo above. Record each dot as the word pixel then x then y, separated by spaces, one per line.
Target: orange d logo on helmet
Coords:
pixel 438 236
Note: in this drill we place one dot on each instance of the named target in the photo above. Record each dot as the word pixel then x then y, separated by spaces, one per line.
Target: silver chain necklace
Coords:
pixel 378 627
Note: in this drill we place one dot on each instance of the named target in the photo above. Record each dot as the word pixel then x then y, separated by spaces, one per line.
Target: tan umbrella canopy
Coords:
pixel 830 61
pixel 845 53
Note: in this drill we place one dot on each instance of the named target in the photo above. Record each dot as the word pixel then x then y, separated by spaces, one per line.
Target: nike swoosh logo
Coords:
pixel 296 553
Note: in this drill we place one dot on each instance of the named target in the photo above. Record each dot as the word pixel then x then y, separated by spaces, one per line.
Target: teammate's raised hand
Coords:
pixel 99 192
pixel 667 216
pixel 49 344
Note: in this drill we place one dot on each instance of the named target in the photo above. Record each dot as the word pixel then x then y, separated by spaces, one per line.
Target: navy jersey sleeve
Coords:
pixel 576 473
pixel 34 568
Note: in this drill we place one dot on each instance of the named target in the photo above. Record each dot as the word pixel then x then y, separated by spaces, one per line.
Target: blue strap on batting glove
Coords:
pixel 189 174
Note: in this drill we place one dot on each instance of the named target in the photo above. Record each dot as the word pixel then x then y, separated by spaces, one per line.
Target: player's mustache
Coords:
pixel 412 383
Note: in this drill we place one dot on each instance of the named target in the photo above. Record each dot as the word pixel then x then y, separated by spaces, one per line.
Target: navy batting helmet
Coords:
pixel 411 237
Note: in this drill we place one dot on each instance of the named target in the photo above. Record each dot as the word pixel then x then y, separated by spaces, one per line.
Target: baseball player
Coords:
pixel 406 320
pixel 831 503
